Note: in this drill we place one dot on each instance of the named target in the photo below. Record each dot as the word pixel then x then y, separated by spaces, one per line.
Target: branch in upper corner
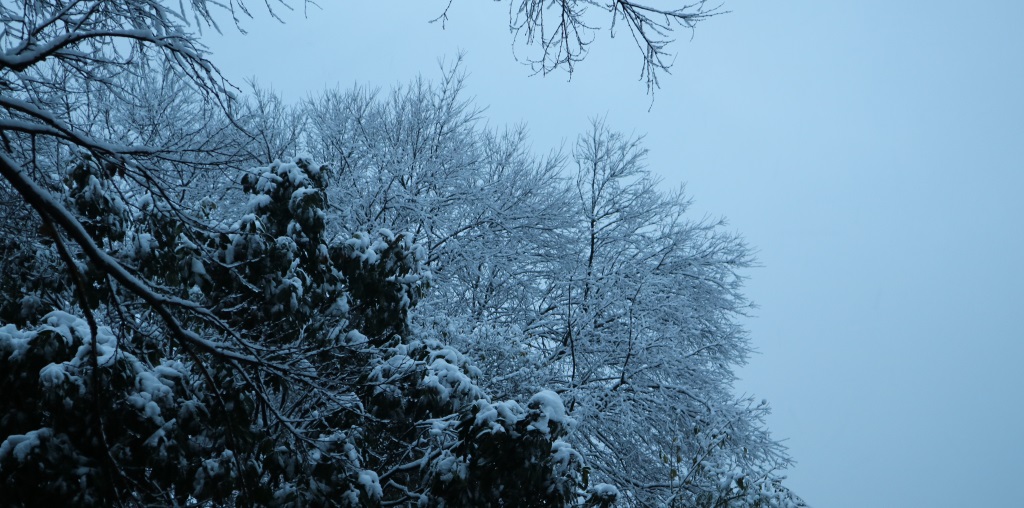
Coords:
pixel 564 31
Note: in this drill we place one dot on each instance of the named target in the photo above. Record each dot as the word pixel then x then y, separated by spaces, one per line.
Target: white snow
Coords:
pixel 491 415
pixel 551 408
pixel 562 455
pixel 15 340
pixel 20 445
pixel 353 337
pixel 144 244
pixel 448 467
pixel 605 491
pixel 371 483
pixel 52 376
pixel 257 202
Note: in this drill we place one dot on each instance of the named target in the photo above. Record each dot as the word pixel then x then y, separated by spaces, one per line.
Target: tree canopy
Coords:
pixel 367 299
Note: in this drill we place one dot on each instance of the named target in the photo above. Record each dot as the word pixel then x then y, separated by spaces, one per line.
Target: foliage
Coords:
pixel 186 336
pixel 335 395
pixel 192 313
pixel 592 283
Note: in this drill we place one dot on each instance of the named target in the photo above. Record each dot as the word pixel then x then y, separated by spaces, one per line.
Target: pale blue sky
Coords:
pixel 872 152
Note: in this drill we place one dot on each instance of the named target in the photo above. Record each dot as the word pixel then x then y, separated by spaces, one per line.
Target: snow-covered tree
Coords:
pixel 172 349
pixel 192 313
pixel 596 285
pixel 650 340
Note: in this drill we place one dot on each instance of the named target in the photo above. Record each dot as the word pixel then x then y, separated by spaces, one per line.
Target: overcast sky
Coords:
pixel 871 151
